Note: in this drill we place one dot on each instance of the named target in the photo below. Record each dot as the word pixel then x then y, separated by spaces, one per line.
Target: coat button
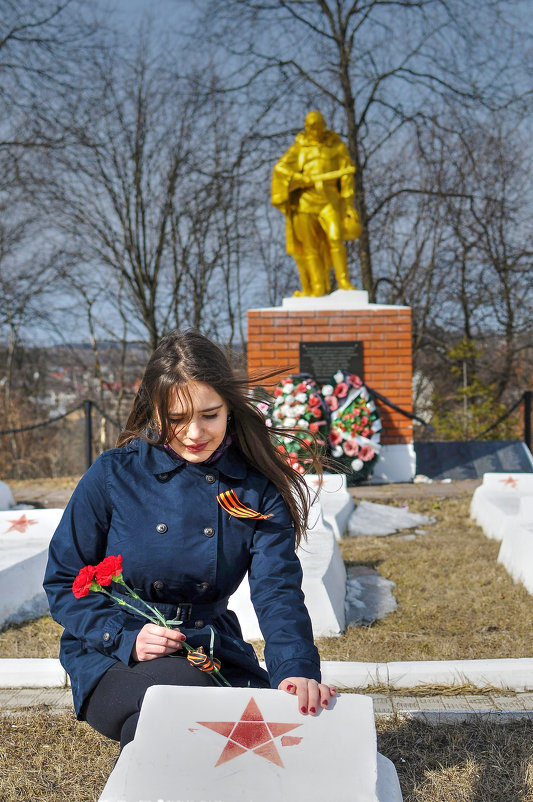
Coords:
pixel 203 586
pixel 106 636
pixel 158 584
pixel 198 624
pixel 210 479
pixel 162 528
pixel 162 477
pixel 209 531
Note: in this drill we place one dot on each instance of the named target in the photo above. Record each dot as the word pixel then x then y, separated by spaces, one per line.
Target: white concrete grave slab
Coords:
pixel 335 500
pixel 24 540
pixel 496 502
pixel 324 583
pixel 248 745
pixel 516 550
pixel 396 463
pixel 6 497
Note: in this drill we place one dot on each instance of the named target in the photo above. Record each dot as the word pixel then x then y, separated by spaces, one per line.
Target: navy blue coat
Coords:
pixel 178 545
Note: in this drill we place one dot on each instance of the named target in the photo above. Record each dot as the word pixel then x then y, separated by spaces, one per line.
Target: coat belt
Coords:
pixel 183 611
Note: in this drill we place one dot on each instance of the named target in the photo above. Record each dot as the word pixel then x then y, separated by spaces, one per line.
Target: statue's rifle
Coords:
pixel 331 176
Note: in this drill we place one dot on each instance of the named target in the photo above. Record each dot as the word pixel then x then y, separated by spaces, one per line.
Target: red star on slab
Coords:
pixel 250 734
pixel 509 482
pixel 21 524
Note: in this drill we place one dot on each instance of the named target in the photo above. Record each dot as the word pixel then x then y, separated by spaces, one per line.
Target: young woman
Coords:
pixel 192 435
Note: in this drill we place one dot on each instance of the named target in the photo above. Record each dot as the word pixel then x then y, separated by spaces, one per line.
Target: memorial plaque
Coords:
pixel 471 459
pixel 323 359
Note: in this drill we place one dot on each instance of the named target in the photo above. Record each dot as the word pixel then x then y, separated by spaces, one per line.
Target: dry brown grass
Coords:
pixel 55 758
pixel 477 761
pixel 52 757
pixel 454 600
pixel 39 638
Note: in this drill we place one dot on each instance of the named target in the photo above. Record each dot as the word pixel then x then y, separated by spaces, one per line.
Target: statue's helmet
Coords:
pixel 314 119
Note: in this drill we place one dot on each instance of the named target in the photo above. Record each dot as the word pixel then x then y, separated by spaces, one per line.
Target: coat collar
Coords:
pixel 158 461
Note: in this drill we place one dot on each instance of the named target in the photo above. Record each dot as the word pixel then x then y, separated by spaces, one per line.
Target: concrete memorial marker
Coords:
pixel 516 551
pixel 496 502
pixel 249 745
pixel 324 583
pixel 335 500
pixel 7 501
pixel 24 539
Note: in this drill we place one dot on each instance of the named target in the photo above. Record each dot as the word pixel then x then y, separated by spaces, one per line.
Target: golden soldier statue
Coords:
pixel 312 185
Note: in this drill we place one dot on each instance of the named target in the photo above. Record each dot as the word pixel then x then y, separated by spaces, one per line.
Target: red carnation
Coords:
pixel 332 402
pixel 278 391
pixel 341 390
pixel 316 412
pixel 354 380
pixel 301 388
pixel 281 448
pixel 364 420
pixel 82 584
pixel 108 570
pixel 313 427
pixel 314 400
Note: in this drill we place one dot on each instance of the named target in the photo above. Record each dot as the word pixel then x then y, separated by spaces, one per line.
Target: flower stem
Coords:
pixel 123 603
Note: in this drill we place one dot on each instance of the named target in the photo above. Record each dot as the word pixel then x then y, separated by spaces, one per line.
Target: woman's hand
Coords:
pixel 311 694
pixel 153 641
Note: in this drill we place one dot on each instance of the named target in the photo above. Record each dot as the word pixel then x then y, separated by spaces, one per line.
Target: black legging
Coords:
pixel 114 705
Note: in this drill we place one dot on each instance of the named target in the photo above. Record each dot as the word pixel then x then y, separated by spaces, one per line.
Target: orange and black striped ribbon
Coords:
pixel 229 502
pixel 200 659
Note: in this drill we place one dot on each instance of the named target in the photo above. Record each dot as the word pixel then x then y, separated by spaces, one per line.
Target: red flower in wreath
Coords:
pixel 109 569
pixel 341 390
pixel 335 436
pixel 82 584
pixel 366 453
pixel 355 381
pixel 351 447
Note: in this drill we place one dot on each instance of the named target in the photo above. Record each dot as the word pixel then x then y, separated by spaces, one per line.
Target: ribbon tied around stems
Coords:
pixel 230 502
pixel 199 659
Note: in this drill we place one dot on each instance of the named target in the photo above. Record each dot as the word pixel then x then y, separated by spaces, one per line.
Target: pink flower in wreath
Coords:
pixel 301 388
pixel 313 427
pixel 351 447
pixel 332 402
pixel 355 381
pixel 335 436
pixel 278 391
pixel 364 420
pixel 357 412
pixel 366 453
pixel 341 390
pixel 314 401
pixel 316 412
pixel 366 432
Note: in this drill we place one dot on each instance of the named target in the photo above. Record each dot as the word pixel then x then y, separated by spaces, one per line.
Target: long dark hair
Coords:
pixel 188 356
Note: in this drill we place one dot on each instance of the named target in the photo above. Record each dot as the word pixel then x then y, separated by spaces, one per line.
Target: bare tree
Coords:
pixel 378 67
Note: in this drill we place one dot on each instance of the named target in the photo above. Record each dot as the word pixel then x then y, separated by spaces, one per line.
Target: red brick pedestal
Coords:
pixel 273 343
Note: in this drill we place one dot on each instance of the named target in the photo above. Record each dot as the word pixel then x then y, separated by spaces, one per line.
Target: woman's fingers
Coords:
pixel 154 641
pixel 311 694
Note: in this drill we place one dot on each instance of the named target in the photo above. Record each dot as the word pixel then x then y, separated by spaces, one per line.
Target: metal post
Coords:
pixel 87 408
pixel 527 418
